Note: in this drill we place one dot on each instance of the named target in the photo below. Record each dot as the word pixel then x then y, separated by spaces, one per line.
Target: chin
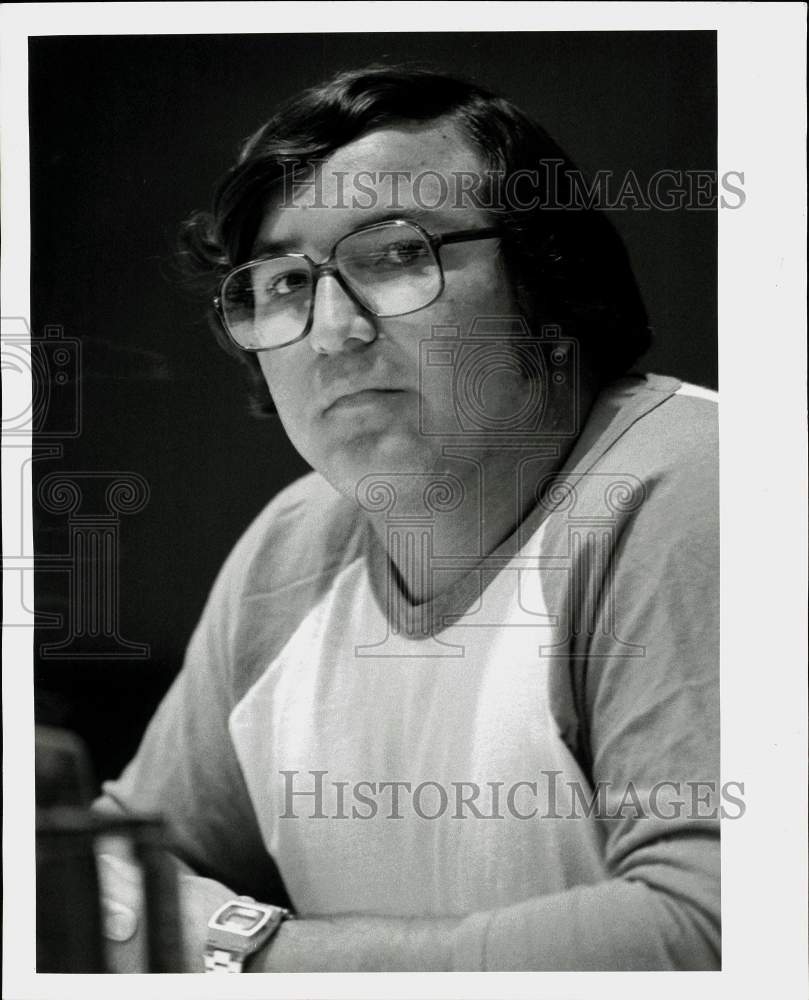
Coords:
pixel 377 455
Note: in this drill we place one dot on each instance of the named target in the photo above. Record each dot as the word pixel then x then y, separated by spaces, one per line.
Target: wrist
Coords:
pixel 237 931
pixel 306 945
pixel 353 943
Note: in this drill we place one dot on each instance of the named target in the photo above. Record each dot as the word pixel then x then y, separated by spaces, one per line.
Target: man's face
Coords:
pixel 350 394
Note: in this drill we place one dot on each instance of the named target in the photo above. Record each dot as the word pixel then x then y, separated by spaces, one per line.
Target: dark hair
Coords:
pixel 570 260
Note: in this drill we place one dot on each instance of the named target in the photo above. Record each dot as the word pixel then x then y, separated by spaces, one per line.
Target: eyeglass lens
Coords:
pixel 391 270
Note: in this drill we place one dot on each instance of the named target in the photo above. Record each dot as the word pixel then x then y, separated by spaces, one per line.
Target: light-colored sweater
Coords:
pixel 585 660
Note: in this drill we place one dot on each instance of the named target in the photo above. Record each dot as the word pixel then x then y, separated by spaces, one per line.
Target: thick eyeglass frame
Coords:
pixel 328 267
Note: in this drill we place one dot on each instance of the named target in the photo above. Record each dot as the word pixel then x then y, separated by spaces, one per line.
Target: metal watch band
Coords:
pixel 220 960
pixel 223 955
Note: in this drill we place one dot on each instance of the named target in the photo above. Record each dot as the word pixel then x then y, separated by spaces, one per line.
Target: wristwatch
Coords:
pixel 237 930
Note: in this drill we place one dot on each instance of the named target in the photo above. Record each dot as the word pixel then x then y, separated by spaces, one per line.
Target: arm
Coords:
pixel 186 769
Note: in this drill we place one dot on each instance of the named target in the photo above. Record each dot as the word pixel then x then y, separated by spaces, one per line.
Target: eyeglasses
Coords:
pixel 389 268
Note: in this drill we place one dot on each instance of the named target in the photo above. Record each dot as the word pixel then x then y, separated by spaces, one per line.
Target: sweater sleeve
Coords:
pixel 649 738
pixel 186 768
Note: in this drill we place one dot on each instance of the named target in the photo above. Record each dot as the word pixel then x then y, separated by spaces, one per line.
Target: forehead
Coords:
pixel 409 171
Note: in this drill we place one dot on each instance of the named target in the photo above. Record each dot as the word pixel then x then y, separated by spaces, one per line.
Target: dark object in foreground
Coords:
pixel 68 835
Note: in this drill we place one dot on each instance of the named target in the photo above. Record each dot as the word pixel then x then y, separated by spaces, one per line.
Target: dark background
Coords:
pixel 128 135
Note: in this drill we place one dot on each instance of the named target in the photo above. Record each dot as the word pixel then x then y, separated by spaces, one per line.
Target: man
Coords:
pixel 453 698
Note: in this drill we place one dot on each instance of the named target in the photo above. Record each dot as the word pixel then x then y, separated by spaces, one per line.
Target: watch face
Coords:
pixel 241 919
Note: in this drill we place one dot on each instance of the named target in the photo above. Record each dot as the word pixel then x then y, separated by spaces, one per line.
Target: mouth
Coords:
pixel 361 398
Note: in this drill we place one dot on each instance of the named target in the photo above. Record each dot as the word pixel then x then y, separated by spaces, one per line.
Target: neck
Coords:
pixel 442 524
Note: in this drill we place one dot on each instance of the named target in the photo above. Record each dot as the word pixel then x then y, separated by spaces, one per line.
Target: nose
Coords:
pixel 339 323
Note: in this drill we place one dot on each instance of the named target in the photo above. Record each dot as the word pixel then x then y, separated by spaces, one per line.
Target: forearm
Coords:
pixel 611 926
pixel 356 943
pixel 320 944
pixel 616 925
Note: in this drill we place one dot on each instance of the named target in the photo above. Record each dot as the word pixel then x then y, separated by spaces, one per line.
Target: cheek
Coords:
pixel 483 288
pixel 286 386
pixel 279 375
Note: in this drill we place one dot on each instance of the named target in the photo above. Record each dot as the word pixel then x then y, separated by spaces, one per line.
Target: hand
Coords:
pixel 123 914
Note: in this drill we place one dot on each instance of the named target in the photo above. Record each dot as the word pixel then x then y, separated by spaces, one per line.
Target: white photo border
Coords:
pixel 762 356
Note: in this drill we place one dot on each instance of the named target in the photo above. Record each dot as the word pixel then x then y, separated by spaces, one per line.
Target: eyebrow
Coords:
pixel 267 248
pixel 429 219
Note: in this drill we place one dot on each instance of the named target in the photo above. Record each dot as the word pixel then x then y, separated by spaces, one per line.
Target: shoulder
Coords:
pixel 686 422
pixel 652 485
pixel 278 571
pixel 678 416
pixel 667 438
pixel 307 530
